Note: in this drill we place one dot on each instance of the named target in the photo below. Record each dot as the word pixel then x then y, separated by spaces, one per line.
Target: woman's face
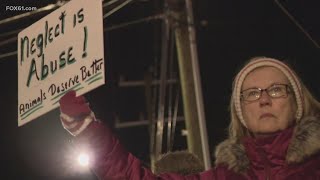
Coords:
pixel 267 115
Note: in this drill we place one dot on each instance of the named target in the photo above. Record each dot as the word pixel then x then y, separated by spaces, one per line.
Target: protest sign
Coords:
pixel 62 51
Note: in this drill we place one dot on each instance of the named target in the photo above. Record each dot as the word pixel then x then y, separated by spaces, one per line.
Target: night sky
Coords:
pixel 228 34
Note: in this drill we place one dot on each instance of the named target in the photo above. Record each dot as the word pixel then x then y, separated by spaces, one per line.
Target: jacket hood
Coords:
pixel 303 144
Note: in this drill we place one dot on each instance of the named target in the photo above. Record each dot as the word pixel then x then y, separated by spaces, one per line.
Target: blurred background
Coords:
pixel 142 74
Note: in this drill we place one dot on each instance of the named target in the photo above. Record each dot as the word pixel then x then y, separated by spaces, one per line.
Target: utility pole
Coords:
pixel 183 24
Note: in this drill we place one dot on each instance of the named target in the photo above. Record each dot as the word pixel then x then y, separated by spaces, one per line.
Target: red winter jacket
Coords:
pixel 254 159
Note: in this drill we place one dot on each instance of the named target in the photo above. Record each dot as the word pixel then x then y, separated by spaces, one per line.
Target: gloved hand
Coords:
pixel 76 114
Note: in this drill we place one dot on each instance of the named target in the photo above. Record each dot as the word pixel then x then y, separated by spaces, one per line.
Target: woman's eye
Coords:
pixel 276 89
pixel 253 93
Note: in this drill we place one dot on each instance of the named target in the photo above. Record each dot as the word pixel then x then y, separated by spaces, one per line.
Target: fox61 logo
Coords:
pixel 14 8
pixel 19 8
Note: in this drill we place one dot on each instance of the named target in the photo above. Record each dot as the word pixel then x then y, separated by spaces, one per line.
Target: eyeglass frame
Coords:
pixel 287 90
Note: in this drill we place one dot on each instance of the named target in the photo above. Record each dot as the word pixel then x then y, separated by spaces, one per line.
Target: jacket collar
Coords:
pixel 272 148
pixel 293 145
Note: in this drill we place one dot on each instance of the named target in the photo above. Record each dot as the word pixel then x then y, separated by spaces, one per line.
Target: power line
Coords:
pixel 116 8
pixel 297 23
pixel 142 20
pixel 8 54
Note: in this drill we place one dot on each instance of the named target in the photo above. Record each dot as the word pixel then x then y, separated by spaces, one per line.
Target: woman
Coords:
pixel 274 131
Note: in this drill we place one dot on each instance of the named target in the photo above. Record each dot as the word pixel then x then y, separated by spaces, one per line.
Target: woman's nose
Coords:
pixel 265 99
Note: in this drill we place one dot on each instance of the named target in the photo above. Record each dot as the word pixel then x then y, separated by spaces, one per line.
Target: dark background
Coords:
pixel 229 32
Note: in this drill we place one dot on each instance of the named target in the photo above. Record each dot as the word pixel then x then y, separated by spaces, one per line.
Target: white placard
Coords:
pixel 60 52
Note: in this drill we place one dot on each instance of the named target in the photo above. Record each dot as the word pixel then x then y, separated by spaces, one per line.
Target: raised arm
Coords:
pixel 109 160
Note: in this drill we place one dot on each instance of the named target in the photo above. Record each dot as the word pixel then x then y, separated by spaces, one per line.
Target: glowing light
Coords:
pixel 83 159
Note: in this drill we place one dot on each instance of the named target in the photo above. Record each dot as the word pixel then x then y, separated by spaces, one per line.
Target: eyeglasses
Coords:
pixel 274 91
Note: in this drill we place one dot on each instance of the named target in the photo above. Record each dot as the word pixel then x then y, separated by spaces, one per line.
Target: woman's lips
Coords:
pixel 266 115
